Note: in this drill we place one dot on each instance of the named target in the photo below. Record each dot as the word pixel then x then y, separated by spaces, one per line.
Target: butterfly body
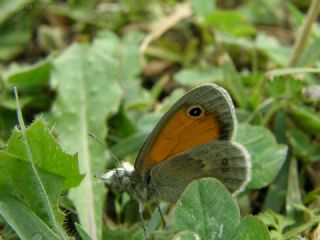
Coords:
pixel 192 140
pixel 127 181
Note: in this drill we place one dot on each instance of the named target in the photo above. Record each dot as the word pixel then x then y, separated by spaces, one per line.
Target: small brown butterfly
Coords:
pixel 192 140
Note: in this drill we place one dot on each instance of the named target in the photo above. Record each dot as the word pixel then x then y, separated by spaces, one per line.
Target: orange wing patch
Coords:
pixel 182 133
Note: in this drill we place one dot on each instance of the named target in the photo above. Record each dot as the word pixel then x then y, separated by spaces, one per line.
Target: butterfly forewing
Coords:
pixel 182 128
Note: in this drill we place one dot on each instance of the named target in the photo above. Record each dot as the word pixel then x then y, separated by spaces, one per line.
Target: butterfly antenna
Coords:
pixel 110 152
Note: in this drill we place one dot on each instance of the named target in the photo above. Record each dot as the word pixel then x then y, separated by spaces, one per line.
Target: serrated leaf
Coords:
pixel 38 187
pixel 23 220
pixel 47 153
pixel 88 90
pixel 281 86
pixel 252 228
pixel 207 209
pixel 267 156
pixel 17 179
pixel 275 221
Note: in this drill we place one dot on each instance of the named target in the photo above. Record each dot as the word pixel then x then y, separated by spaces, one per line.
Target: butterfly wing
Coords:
pixel 226 161
pixel 178 131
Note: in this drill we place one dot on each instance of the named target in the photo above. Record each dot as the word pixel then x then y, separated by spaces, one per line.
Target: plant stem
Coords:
pixel 304 34
pixel 301 228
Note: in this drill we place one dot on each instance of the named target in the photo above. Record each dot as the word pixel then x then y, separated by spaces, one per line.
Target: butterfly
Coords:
pixel 192 140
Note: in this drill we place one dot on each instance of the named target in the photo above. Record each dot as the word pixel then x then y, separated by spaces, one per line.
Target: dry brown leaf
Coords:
pixel 158 28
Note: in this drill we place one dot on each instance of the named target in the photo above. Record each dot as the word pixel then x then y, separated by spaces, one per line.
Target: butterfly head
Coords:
pixel 125 180
pixel 119 178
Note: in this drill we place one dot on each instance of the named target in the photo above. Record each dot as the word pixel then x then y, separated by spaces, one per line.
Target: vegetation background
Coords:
pixel 111 69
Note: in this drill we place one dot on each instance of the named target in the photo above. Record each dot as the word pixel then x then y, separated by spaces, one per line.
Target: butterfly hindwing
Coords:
pixel 226 161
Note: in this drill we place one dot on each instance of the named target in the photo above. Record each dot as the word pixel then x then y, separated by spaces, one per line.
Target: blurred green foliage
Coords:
pixel 111 69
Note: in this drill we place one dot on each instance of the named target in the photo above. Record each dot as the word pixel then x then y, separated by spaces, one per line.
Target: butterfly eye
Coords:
pixel 195 111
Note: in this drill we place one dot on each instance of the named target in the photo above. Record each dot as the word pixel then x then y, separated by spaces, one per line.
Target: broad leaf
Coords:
pixel 186 235
pixel 34 171
pixel 252 228
pixel 9 7
pixel 23 220
pixel 267 156
pixel 207 209
pixel 230 22
pixel 30 76
pixel 18 180
pixel 88 80
pixel 194 76
pixel 47 153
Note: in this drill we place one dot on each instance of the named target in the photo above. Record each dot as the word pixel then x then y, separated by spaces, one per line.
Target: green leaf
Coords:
pixel 87 80
pixel 277 87
pixel 186 235
pixel 272 48
pixel 276 196
pixel 7 122
pixel 192 77
pixel 156 219
pixel 9 7
pixel 233 82
pixel 312 53
pixel 262 12
pixel 281 86
pixel 293 192
pixel 122 233
pixel 84 235
pixel 291 71
pixel 207 209
pixel 203 8
pixel 129 145
pixel 267 156
pixel 306 118
pixel 31 76
pixel 147 122
pixel 14 37
pixel 252 228
pixel 37 184
pixel 302 145
pixel 275 221
pixel 47 153
pixel 230 22
pixel 17 179
pixel 26 224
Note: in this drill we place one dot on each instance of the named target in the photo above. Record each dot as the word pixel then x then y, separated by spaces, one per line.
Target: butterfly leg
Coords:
pixel 141 217
pixel 160 212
